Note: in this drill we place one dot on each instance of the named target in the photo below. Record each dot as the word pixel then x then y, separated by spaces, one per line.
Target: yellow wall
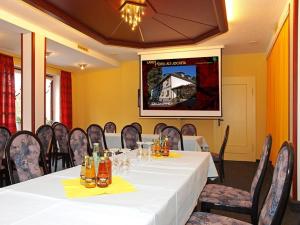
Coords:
pixel 251 65
pixel 111 94
pixel 278 91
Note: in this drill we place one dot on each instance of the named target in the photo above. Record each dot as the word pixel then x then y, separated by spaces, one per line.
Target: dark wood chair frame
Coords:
pixel 103 136
pixel 10 163
pixel 4 174
pixel 219 160
pixel 179 132
pixel 65 157
pixel 71 152
pixel 104 128
pixel 122 131
pixel 49 149
pixel 189 124
pixel 253 211
pixel 159 124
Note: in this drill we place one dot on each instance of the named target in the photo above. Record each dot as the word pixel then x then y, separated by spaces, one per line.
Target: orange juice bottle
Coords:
pixel 108 166
pixel 90 176
pixel 102 176
pixel 165 147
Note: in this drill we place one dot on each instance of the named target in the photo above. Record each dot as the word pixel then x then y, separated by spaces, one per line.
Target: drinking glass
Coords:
pixel 139 153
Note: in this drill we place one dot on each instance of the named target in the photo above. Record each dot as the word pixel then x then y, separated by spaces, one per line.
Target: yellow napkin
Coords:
pixel 171 155
pixel 73 188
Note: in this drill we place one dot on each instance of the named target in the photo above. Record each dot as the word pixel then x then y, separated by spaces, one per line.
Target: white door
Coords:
pixel 239 113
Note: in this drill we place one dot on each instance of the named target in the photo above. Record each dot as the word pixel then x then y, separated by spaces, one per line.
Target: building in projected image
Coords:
pixel 172 89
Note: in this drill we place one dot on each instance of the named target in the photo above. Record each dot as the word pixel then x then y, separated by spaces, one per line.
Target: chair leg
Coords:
pixel 204 207
pixel 55 162
pixel 222 168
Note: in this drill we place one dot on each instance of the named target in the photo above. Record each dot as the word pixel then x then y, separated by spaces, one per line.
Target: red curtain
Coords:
pixel 7 90
pixel 66 98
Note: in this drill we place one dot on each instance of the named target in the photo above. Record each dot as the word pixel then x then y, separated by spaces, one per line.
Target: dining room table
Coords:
pixel 190 143
pixel 165 192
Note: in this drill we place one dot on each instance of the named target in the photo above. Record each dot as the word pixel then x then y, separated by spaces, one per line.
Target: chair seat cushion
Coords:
pixel 202 218
pixel 225 196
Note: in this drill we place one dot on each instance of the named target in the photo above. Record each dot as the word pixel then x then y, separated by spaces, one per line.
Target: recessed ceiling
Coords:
pixel 250 31
pixel 165 23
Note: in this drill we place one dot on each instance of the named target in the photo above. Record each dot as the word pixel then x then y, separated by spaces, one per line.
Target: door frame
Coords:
pixel 250 81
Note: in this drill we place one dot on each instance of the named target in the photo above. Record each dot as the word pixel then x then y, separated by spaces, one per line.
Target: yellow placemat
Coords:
pixel 73 188
pixel 171 155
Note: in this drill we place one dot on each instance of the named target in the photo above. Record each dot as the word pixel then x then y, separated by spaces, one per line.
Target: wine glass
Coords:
pixel 139 153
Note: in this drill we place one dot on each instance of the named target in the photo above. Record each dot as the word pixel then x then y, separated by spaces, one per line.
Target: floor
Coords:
pixel 240 175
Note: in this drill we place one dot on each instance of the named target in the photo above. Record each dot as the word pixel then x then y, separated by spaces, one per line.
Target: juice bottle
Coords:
pixel 108 166
pixel 165 147
pixel 102 176
pixel 90 176
pixel 96 155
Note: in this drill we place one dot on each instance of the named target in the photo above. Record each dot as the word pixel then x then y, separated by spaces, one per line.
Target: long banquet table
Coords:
pixel 167 192
pixel 190 143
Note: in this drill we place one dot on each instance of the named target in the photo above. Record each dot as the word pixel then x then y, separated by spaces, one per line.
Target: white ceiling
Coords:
pixel 251 30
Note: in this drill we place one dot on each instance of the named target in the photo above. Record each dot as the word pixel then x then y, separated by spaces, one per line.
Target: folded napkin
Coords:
pixel 171 155
pixel 73 188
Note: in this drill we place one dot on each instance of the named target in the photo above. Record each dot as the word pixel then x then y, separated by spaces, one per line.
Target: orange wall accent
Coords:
pixel 278 91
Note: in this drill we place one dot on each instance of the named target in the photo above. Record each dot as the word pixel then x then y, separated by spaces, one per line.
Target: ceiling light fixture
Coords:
pixel 132 12
pixel 82 66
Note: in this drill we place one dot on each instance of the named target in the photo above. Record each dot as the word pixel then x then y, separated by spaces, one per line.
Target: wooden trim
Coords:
pixel 33 82
pixel 45 74
pixel 52 10
pixel 22 70
pixel 295 93
pixel 52 101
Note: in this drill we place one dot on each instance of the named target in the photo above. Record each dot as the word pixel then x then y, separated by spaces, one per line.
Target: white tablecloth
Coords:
pixel 190 143
pixel 167 192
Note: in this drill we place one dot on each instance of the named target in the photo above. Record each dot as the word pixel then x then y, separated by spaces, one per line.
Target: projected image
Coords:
pixel 171 85
pixel 190 84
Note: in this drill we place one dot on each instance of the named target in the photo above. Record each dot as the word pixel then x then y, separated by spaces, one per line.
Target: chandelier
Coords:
pixel 132 12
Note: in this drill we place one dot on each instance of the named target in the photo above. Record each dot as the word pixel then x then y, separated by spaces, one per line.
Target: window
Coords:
pixel 18 98
pixel 49 99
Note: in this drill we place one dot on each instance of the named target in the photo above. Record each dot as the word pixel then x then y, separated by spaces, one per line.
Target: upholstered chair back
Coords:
pixel 174 137
pixel 276 201
pixel 24 150
pixel 96 135
pixel 110 127
pixel 189 130
pixel 158 128
pixel 129 137
pixel 61 137
pixel 78 145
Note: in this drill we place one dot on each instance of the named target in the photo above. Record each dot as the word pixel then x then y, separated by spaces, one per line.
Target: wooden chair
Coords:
pixel 216 196
pixel 24 152
pixel 189 129
pixel 219 157
pixel 175 137
pixel 4 137
pixel 45 134
pixel 130 136
pixel 96 135
pixel 158 127
pixel 110 127
pixel 276 201
pixel 78 146
pixel 61 149
pixel 138 126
